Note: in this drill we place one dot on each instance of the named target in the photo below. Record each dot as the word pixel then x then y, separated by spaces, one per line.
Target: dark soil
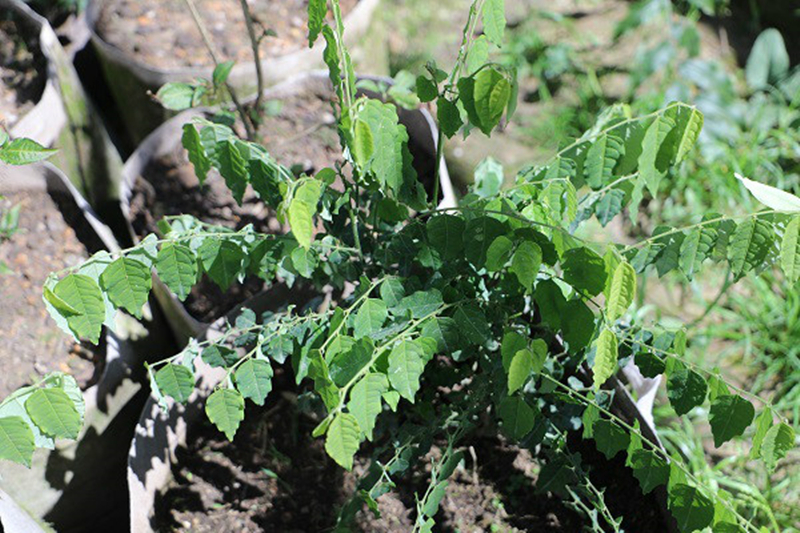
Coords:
pixel 276 477
pixel 302 134
pixel 162 33
pixel 22 68
pixel 31 345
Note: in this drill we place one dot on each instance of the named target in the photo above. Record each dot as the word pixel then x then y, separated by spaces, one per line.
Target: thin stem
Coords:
pixel 251 32
pixel 212 51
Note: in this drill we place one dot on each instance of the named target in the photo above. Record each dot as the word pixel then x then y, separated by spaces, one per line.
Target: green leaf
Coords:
pixel 82 294
pixel 729 417
pixel 688 124
pixel 472 324
pixel 650 364
pixel 606 356
pixel 302 209
pixel 790 251
pixel 254 380
pixel 434 498
pixel 233 168
pixel 197 154
pixel 363 143
pixel 225 409
pixel 24 151
pixel 551 302
pixel 54 413
pixel 449 117
pixel 692 510
pixel 777 443
pixel 488 178
pixel 478 236
pixel 176 96
pixel 343 440
pixel 512 343
pixel 421 303
pixel 768 61
pixel 695 248
pixel 491 93
pixel 392 291
pixel 622 291
pixel 176 381
pixel 518 417
pixel 577 325
pixel 650 169
pixel 526 263
pixel 610 438
pixel 365 401
pixel 584 270
pixel 370 318
pixel 601 159
pixel 609 206
pixel 219 356
pixel 763 425
pixel 222 260
pixel 406 364
pixel 60 305
pixel 221 72
pixel 177 268
pixel 499 253
pixel 387 164
pixel 427 91
pixel 650 469
pixel 749 246
pixel 16 440
pixel 520 370
pixel 127 282
pixel 445 332
pixel 317 11
pixel 346 364
pixel 446 236
pixel 686 389
pixel 494 20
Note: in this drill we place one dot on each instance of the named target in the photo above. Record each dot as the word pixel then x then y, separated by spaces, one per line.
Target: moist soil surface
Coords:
pixel 276 477
pixel 21 70
pixel 31 344
pixel 299 133
pixel 162 33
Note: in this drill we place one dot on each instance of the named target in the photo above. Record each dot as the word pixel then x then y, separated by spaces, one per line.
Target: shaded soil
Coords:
pixel 21 70
pixel 299 134
pixel 162 33
pixel 31 345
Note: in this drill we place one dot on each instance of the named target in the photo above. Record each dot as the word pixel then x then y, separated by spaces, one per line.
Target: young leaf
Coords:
pixel 695 248
pixel 342 440
pixel 622 292
pixel 601 159
pixel 222 260
pixel 519 370
pixel 176 96
pixel 777 442
pixel 24 151
pixel 605 359
pixel 16 440
pixel 390 139
pixel 729 417
pixel 365 401
pixel 177 268
pixel 749 246
pixel 763 425
pixel 492 91
pixel 446 235
pixel 221 72
pixel 176 381
pixel 406 364
pixel 302 209
pixel 254 380
pixel 127 282
pixel 54 413
pixel 526 262
pixel 649 168
pixel 512 343
pixel 494 20
pixel 82 294
pixel 688 124
pixel 518 417
pixel 771 197
pixel 225 409
pixel 692 510
pixel 363 143
pixel 609 206
pixel 790 251
pixel 369 318
pixel 233 168
pixel 686 389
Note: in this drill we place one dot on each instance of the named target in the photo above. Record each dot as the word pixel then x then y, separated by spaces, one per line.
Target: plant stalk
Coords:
pixel 254 42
